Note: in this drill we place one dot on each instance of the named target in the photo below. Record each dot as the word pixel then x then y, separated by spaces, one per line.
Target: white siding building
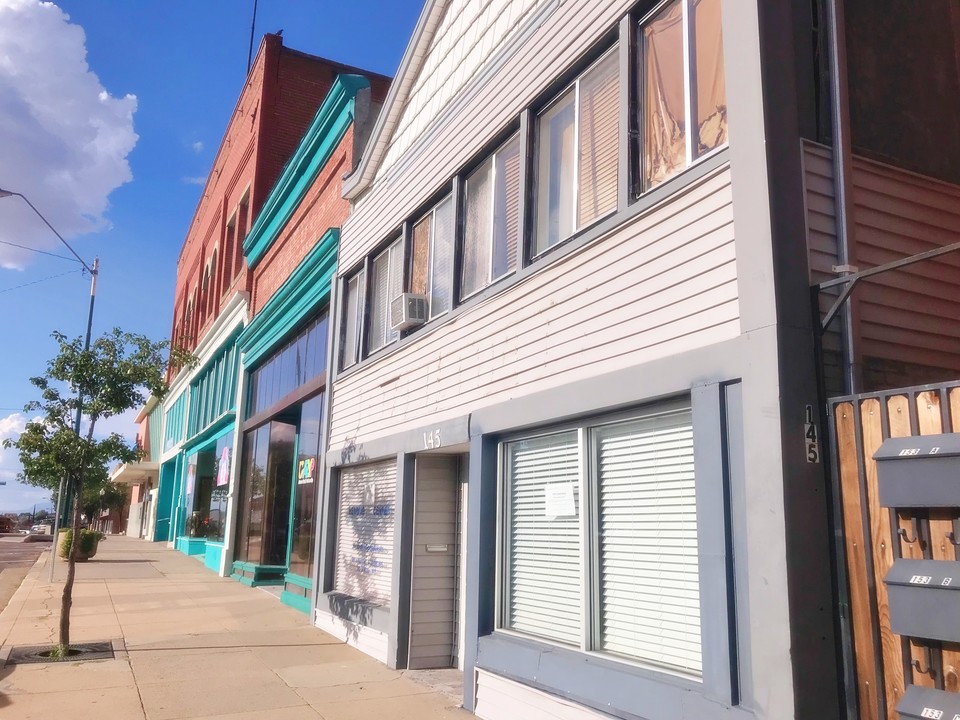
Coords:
pixel 566 435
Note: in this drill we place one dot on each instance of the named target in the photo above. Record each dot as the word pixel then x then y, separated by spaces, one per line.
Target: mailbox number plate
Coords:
pixel 932 713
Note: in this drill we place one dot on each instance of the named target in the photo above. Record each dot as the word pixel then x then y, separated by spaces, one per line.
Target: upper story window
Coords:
pixel 352 312
pixel 431 272
pixel 386 284
pixel 491 230
pixel 541 188
pixel 578 152
pixel 684 107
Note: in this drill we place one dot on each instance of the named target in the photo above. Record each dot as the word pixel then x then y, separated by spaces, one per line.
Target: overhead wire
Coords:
pixel 35 282
pixel 42 252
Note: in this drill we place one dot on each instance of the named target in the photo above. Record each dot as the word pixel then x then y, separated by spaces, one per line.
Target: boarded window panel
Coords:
pixel 506 209
pixel 710 81
pixel 664 123
pixel 365 522
pixel 543 556
pixel 599 131
pixel 649 572
pixel 420 271
pixel 441 271
pixel 477 230
pixel 555 186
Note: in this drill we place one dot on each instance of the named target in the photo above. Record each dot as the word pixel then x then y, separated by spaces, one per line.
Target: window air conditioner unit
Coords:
pixel 408 311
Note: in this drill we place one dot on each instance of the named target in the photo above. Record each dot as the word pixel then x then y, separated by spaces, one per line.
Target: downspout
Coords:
pixel 842 164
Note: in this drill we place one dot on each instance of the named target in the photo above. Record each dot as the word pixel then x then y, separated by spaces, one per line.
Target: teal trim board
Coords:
pixel 212 555
pixel 218 428
pixel 298 601
pixel 303 292
pixel 252 575
pixel 191 546
pixel 322 137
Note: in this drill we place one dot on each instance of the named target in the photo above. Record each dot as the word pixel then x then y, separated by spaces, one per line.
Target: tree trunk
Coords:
pixel 67 598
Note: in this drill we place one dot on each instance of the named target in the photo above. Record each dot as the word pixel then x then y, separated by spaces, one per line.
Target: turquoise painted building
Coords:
pixel 285 355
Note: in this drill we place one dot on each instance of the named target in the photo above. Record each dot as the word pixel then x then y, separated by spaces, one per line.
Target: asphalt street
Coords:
pixel 16 558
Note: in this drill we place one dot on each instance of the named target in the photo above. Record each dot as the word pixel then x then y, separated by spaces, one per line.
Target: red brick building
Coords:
pixel 279 99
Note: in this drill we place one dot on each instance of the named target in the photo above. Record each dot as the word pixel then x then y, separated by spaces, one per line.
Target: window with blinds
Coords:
pixel 599 540
pixel 492 220
pixel 353 308
pixel 386 283
pixel 543 583
pixel 365 522
pixel 578 154
pixel 431 271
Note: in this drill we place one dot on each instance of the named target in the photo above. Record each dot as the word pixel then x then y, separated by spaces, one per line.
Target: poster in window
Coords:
pixel 223 468
pixel 306 470
pixel 191 477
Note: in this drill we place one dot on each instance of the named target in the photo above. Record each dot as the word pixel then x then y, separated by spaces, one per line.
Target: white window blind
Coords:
pixel 441 270
pixel 649 576
pixel 365 522
pixel 351 319
pixel 477 230
pixel 599 133
pixel 386 283
pixel 543 583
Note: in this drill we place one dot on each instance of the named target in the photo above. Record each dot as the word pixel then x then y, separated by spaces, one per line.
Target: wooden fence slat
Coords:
pixel 930 421
pixel 898 412
pixel 880 534
pixel 955 408
pixel 865 650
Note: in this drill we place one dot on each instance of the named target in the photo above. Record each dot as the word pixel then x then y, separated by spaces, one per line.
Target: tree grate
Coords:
pixel 78 653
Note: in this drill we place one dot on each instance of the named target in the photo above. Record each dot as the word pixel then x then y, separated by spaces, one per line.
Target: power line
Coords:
pixel 52 277
pixel 42 252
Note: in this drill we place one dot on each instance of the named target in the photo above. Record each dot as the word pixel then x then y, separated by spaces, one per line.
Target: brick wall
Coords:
pixel 279 100
pixel 322 207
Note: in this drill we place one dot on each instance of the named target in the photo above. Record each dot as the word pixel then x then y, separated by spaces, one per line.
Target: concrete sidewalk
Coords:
pixel 196 646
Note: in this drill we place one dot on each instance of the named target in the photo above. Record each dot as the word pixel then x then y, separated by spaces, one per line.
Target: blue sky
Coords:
pixel 110 114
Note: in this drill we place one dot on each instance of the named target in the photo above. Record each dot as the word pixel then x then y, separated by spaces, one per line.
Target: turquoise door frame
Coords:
pixel 165 497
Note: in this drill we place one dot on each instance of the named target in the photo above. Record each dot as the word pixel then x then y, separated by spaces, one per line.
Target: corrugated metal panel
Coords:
pixel 365 521
pixel 155 429
pixel 433 602
pixel 474 119
pixel 659 285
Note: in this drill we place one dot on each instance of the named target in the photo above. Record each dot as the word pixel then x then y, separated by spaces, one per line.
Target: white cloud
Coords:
pixel 15 496
pixel 65 138
pixel 197 180
pixel 197 147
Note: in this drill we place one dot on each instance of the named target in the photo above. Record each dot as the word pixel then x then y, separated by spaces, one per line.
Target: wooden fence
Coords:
pixel 873 537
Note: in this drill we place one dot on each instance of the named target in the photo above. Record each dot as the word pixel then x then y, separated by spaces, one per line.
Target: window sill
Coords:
pixel 597 681
pixel 667 191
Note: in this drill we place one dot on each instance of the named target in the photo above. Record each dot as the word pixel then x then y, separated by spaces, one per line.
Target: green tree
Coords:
pixel 116 374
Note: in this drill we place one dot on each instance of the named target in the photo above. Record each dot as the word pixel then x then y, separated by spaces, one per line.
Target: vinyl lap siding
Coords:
pixel 822 249
pixel 659 285
pixel 470 32
pixel 482 111
pixel 910 315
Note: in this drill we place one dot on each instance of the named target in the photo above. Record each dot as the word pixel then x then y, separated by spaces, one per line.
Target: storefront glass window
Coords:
pixel 308 468
pixel 200 472
pixel 222 458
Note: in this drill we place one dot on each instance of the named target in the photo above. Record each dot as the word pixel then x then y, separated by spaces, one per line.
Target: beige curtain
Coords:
pixel 711 84
pixel 664 125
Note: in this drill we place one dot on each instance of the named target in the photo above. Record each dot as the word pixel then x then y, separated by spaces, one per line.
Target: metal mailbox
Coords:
pixel 928 704
pixel 924 599
pixel 921 471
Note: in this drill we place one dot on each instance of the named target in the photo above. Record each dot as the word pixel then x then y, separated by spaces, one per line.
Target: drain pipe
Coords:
pixel 842 163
